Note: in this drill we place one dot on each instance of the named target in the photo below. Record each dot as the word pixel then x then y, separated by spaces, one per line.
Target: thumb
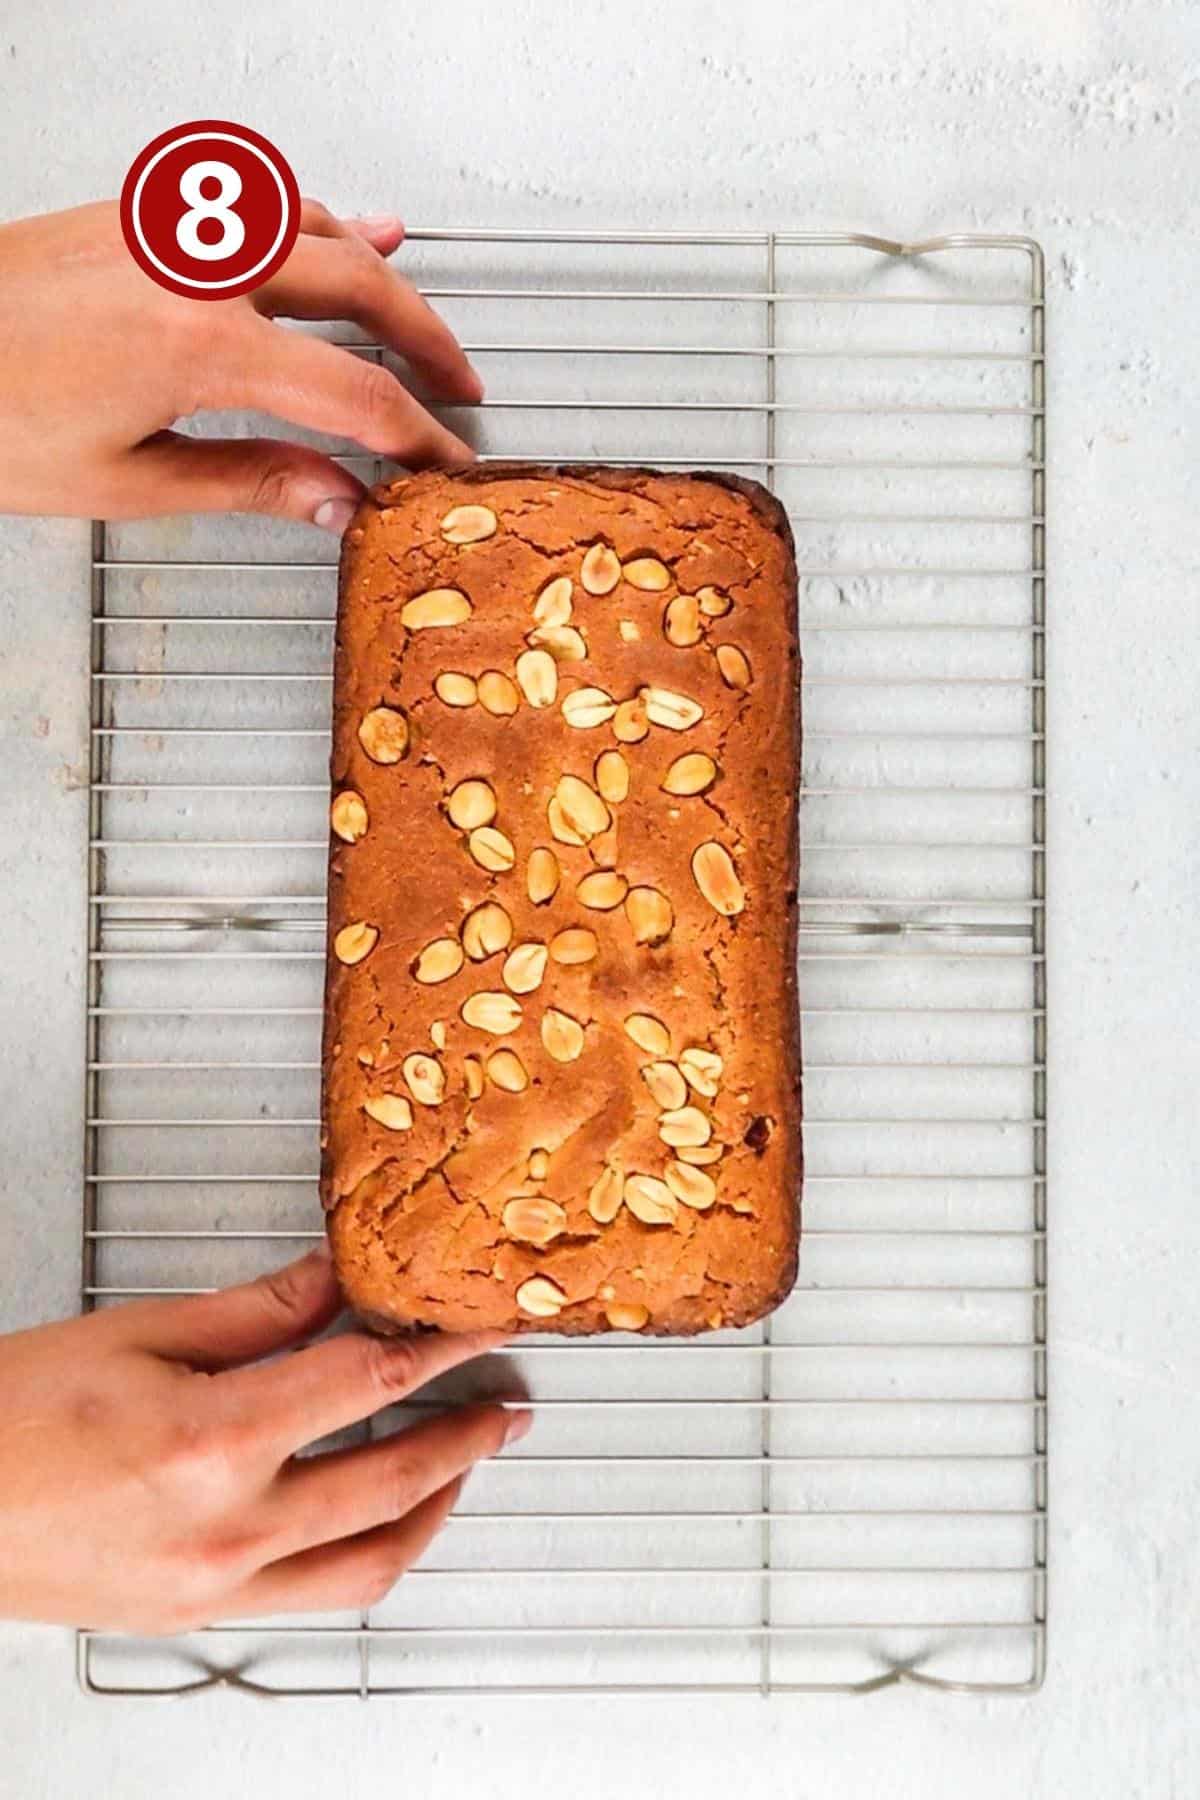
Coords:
pixel 240 1324
pixel 171 473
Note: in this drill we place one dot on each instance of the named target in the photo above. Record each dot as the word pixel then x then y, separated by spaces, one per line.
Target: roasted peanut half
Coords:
pixel 650 1200
pixel 650 914
pixel 666 1084
pixel 580 808
pixel 701 1069
pixel 542 876
pixel 491 849
pixel 675 711
pixel 471 803
pixel 438 607
pixel 585 708
pixel 602 891
pixel 507 1071
pixel 532 1219
pixel 553 604
pixel 560 830
pixel 497 694
pixel 692 1186
pixel 574 945
pixel 564 643
pixel 392 1111
pixel 648 1033
pixel 438 961
pixel 383 734
pixel 601 569
pixel 540 1297
pixel 524 967
pixel 700 1155
pixel 604 1195
pixel 468 524
pixel 684 1125
pixel 603 848
pixel 647 574
pixel 355 942
pixel 714 604
pixel 453 689
pixel 612 776
pixel 717 879
pixel 537 676
pixel 630 724
pixel 485 931
pixel 627 1315
pixel 691 774
pixel 734 666
pixel 681 621
pixel 426 1079
pixel 348 816
pixel 562 1035
pixel 497 1013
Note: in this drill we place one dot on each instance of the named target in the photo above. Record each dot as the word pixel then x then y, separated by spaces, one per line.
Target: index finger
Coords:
pixel 328 1386
pixel 236 1324
pixel 327 389
pixel 345 278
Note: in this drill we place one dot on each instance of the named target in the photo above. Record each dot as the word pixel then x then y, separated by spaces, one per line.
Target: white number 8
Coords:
pixel 233 232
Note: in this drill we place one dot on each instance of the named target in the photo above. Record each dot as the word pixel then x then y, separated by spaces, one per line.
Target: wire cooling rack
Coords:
pixel 853 1494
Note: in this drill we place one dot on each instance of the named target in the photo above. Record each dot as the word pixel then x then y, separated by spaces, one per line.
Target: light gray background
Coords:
pixel 1076 120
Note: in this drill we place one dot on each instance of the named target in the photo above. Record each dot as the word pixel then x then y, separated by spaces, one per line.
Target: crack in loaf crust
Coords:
pixel 509 1167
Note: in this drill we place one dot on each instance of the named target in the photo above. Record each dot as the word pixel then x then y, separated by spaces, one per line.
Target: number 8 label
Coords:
pixel 210 210
pixel 219 207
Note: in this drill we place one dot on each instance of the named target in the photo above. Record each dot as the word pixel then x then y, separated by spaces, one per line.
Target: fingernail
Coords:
pixel 478 380
pixel 379 222
pixel 334 515
pixel 517 1427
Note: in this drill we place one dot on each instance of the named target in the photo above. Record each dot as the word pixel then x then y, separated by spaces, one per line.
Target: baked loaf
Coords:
pixel 561 1062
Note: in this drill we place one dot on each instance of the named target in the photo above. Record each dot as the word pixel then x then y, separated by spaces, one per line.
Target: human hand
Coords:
pixel 97 361
pixel 148 1480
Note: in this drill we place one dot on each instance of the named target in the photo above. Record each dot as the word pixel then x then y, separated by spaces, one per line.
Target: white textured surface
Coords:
pixel 1076 121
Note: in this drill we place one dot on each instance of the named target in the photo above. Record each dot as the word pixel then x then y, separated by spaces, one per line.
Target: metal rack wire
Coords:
pixel 853 1494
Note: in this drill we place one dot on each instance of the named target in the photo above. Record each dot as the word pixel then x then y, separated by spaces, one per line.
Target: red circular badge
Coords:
pixel 210 210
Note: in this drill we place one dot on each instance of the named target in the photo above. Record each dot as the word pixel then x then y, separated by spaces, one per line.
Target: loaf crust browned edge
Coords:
pixel 774 517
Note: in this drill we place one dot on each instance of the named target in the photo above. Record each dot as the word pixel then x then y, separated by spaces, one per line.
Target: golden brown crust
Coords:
pixel 415 1191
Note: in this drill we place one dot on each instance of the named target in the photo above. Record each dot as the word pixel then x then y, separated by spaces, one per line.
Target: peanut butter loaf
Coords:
pixel 562 1062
